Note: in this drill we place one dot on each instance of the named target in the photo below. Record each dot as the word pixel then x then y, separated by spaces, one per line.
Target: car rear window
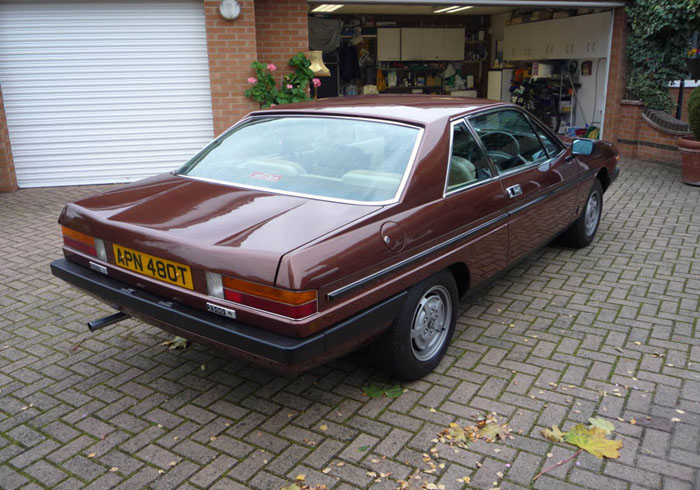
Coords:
pixel 327 157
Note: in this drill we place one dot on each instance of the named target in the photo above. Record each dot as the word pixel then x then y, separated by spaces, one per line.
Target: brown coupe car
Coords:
pixel 308 230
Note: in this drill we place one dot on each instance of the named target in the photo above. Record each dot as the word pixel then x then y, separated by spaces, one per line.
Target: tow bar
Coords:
pixel 106 321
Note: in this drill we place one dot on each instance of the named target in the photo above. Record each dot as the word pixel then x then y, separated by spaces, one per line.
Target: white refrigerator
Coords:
pixel 499 84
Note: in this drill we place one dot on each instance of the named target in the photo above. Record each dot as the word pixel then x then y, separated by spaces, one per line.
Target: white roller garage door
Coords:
pixel 99 92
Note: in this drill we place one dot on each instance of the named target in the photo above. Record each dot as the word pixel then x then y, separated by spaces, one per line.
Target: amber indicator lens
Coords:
pixel 292 304
pixel 79 241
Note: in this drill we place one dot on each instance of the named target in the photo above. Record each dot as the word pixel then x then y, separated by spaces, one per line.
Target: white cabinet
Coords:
pixel 430 44
pixel 582 36
pixel 388 44
pixel 411 44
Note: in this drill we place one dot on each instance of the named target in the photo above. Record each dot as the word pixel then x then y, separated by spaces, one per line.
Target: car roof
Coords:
pixel 408 108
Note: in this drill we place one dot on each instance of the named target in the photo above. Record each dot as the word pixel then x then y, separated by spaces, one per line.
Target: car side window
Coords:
pixel 509 139
pixel 551 145
pixel 468 164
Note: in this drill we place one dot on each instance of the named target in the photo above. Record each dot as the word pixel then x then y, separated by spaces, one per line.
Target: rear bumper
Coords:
pixel 250 342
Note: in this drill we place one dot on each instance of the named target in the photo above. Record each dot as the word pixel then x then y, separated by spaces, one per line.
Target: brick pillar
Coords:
pixel 616 75
pixel 281 30
pixel 8 179
pixel 232 48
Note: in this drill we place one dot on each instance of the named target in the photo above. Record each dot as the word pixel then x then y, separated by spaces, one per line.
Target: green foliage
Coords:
pixel 694 112
pixel 657 47
pixel 376 391
pixel 293 87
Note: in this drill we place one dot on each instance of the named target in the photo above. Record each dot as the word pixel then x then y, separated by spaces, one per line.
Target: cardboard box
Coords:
pixel 540 15
pixel 541 70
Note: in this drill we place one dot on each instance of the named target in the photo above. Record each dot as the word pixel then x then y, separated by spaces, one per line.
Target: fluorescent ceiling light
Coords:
pixel 452 9
pixel 445 9
pixel 460 8
pixel 327 7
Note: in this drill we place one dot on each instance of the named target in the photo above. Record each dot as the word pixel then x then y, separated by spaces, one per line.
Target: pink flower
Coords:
pixel 252 80
pixel 316 82
pixel 290 86
pixel 271 67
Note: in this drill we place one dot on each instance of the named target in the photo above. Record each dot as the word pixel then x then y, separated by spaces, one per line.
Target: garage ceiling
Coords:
pixel 403 9
pixel 478 7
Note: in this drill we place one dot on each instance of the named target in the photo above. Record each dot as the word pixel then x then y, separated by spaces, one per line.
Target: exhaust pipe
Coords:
pixel 106 321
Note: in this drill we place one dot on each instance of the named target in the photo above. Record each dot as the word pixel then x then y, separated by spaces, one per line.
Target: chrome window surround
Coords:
pixel 394 200
pixel 494 172
pixel 527 117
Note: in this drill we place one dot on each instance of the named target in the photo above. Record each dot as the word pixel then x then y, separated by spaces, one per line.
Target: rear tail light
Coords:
pixel 84 243
pixel 292 304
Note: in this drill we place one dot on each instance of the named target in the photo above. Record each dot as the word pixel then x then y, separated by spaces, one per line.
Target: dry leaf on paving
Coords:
pixel 603 424
pixel 554 435
pixel 593 441
pixel 176 343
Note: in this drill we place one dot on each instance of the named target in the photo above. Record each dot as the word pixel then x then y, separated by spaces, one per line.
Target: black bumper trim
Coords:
pixel 272 346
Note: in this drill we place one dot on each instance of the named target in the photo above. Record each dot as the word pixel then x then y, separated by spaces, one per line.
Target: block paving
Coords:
pixel 611 330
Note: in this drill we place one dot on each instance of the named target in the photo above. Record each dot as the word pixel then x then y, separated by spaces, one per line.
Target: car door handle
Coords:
pixel 514 191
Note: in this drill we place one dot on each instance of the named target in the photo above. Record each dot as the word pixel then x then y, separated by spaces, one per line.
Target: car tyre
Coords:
pixel 418 339
pixel 581 233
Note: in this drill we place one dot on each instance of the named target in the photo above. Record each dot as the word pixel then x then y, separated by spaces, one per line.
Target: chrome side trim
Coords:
pixel 360 282
pixel 577 181
pixel 339 292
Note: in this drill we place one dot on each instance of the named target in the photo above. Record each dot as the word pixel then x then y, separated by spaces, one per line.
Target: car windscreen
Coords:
pixel 335 158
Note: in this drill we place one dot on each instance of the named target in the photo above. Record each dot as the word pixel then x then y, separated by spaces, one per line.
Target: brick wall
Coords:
pixel 8 180
pixel 636 137
pixel 616 75
pixel 281 31
pixel 231 47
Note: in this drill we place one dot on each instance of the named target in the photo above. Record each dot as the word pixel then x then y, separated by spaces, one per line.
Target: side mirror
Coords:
pixel 582 147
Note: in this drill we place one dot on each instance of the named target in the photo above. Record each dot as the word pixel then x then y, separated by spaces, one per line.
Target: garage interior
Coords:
pixel 469 50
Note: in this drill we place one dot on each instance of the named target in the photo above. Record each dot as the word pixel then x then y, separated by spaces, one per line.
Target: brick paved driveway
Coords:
pixel 611 330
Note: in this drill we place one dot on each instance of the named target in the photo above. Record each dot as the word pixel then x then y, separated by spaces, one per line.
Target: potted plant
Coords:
pixel 690 145
pixel 293 88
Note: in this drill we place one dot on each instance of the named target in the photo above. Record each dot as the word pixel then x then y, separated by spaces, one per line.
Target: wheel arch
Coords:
pixel 604 178
pixel 460 272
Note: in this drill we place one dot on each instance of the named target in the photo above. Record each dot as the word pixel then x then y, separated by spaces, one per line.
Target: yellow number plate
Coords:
pixel 155 267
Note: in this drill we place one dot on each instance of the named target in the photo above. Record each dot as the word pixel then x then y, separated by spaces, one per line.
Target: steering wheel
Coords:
pixel 503 157
pixel 496 136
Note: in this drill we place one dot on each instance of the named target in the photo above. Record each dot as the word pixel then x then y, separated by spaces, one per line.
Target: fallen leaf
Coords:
pixel 371 474
pixel 362 449
pixel 394 391
pixel 301 477
pixel 593 441
pixel 554 435
pixel 324 427
pixel 678 410
pixel 372 391
pixel 675 420
pixel 172 463
pixel 292 486
pixel 92 455
pixel 113 469
pixel 326 470
pixel 161 472
pixel 176 343
pixel 602 423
